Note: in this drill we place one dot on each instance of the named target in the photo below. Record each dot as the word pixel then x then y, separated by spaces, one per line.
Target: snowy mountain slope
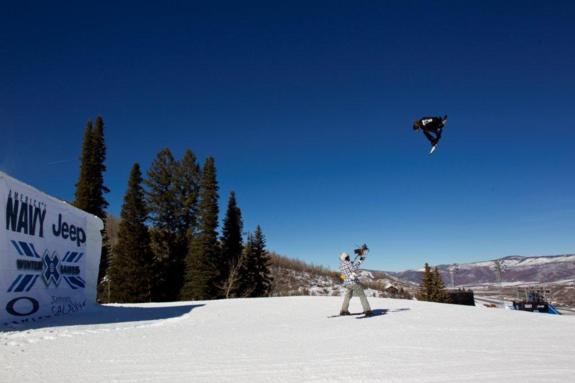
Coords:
pixel 545 269
pixel 292 339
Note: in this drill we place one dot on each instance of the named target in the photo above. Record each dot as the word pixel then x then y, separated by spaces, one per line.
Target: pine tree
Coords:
pixel 264 279
pixel 439 292
pixel 90 188
pixel 187 184
pixel 187 193
pixel 246 285
pixel 425 291
pixel 82 195
pixel 172 196
pixel 161 199
pixel 256 279
pixel 204 258
pixel 432 288
pixel 99 157
pixel 100 203
pixel 231 248
pixel 161 191
pixel 130 268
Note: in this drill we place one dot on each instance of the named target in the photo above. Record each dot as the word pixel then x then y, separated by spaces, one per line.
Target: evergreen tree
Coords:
pixel 82 195
pixel 204 258
pixel 161 199
pixel 187 184
pixel 432 288
pixel 425 291
pixel 173 188
pixel 246 285
pixel 90 188
pixel 100 203
pixel 264 279
pixel 130 269
pixel 256 279
pixel 439 292
pixel 232 247
pixel 99 157
pixel 187 194
pixel 161 191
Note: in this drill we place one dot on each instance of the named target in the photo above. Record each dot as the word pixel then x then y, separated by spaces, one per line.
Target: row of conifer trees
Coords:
pixel 168 247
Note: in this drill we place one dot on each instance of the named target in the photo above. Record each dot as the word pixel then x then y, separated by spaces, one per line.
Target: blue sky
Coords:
pixel 307 108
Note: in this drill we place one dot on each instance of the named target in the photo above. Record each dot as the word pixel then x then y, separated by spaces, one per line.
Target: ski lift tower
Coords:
pixel 452 269
pixel 499 268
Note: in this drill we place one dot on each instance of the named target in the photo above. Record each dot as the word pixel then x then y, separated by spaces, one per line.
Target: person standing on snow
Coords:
pixel 351 281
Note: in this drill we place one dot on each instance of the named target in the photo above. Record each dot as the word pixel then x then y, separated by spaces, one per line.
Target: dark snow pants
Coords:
pixel 433 139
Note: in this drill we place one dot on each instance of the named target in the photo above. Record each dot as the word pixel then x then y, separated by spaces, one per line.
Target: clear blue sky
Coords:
pixel 307 108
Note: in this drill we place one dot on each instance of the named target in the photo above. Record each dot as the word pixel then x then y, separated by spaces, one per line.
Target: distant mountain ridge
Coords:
pixel 516 269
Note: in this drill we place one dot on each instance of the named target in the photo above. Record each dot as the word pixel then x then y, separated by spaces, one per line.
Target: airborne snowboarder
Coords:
pixel 351 281
pixel 431 127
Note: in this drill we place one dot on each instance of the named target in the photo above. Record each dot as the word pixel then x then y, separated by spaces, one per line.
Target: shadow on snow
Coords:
pixel 103 315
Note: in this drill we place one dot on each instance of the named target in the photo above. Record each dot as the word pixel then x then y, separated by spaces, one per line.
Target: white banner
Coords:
pixel 49 255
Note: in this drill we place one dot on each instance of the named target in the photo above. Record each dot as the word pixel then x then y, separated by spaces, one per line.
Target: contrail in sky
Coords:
pixel 57 162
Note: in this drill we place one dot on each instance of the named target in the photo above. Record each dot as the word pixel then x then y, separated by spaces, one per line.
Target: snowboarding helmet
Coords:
pixel 344 257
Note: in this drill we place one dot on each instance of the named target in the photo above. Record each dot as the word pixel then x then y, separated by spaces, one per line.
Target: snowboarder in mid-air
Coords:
pixel 431 127
pixel 351 280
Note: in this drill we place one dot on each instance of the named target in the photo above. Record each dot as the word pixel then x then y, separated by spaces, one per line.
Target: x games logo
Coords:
pixel 48 266
pixel 51 272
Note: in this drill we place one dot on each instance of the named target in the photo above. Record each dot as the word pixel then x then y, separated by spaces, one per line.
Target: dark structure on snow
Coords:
pixel 461 297
pixel 535 302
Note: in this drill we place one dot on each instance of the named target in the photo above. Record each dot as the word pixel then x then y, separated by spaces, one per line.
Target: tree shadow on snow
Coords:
pixel 104 315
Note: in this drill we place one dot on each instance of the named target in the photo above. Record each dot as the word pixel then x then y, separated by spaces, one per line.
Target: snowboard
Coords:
pixel 350 315
pixel 433 149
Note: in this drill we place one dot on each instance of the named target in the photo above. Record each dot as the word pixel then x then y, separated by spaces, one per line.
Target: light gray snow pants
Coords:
pixel 355 289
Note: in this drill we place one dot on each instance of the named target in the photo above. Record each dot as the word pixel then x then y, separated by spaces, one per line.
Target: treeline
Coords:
pixel 301 266
pixel 295 277
pixel 167 246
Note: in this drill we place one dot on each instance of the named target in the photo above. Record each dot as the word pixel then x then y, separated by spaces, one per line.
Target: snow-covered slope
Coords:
pixel 516 269
pixel 292 339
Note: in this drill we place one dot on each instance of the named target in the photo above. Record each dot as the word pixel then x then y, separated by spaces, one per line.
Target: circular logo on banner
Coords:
pixel 22 306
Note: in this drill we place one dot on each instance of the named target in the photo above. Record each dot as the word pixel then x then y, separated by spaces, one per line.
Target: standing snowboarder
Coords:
pixel 351 280
pixel 432 128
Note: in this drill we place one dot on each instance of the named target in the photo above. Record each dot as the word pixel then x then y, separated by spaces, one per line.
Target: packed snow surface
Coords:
pixel 291 340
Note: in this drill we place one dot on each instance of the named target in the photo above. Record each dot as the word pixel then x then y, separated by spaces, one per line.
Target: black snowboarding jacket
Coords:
pixel 430 124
